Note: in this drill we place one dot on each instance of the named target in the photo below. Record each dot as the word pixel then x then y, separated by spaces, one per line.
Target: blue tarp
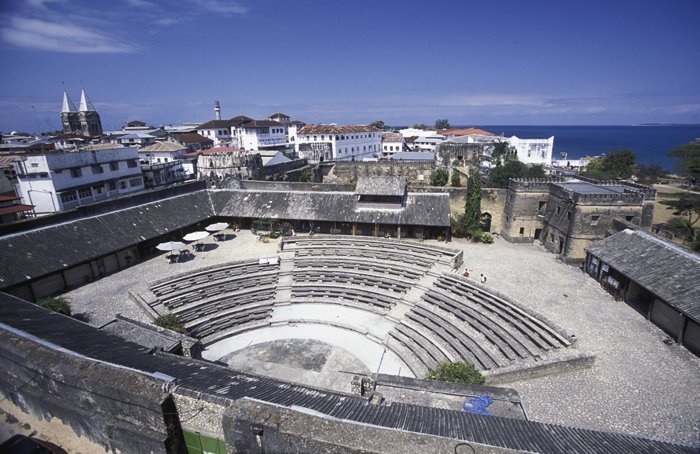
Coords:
pixel 478 405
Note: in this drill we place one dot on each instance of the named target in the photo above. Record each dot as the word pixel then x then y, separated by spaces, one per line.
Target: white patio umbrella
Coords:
pixel 171 246
pixel 216 227
pixel 196 236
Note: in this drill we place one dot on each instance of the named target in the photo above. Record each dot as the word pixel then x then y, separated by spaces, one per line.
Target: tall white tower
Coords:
pixel 217 109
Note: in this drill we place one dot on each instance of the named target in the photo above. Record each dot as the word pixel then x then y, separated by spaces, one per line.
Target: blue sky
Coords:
pixel 404 62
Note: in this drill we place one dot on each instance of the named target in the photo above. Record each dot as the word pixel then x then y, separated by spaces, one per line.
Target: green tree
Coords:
pixel 457 372
pixel 502 153
pixel 456 179
pixel 59 304
pixel 687 207
pixel 615 165
pixel 305 175
pixel 171 322
pixel 649 173
pixel 439 177
pixel 379 124
pixel 499 176
pixel 472 208
pixel 420 126
pixel 688 164
pixel 442 123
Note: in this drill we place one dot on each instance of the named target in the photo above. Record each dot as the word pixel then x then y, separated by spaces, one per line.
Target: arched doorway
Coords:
pixel 485 222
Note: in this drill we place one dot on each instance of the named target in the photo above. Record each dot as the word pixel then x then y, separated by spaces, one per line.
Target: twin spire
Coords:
pixel 85 103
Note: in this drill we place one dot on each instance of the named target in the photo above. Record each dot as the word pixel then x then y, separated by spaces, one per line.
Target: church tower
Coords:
pixel 69 116
pixel 90 122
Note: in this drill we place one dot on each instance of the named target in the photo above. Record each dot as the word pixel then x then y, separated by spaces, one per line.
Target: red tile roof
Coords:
pixel 15 209
pixel 465 132
pixel 335 129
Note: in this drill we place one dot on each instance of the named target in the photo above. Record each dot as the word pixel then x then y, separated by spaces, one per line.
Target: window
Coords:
pixel 68 197
pixel 113 166
pixel 35 164
pixel 541 206
pixel 522 231
pixel 568 215
pixel 629 218
pixel 558 209
pixel 594 219
pixel 112 186
pixel 132 163
pixel 122 184
pixel 76 172
pixel 97 169
pixel 85 193
pixel 97 189
pixel 135 182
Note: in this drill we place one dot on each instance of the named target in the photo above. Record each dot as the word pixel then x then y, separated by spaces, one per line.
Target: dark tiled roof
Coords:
pixel 17 208
pixel 335 129
pixel 149 336
pixel 205 380
pixel 260 124
pixel 420 209
pixel 35 253
pixel 190 137
pixel 392 137
pixel 240 119
pixel 381 186
pixel 216 124
pixel 665 269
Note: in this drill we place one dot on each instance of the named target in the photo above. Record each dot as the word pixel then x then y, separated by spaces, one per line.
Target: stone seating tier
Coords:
pixel 345 277
pixel 202 295
pixel 208 275
pixel 257 315
pixel 399 272
pixel 222 305
pixel 538 332
pixel 465 348
pixel 375 254
pixel 492 329
pixel 368 242
pixel 329 292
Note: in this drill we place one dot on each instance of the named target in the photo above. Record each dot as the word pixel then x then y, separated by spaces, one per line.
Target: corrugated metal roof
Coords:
pixel 205 380
pixel 665 269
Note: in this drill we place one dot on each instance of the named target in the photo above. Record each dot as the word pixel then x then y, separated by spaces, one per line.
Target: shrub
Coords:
pixel 171 322
pixel 457 372
pixel 439 177
pixel 59 304
pixel 477 236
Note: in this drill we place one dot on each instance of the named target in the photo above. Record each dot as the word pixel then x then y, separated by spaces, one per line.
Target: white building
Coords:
pixel 61 181
pixel 261 134
pixel 219 131
pixel 318 143
pixel 392 143
pixel 428 143
pixel 167 152
pixel 138 139
pixel 413 132
pixel 533 151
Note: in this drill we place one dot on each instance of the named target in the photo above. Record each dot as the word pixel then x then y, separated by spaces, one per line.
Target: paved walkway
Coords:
pixel 639 384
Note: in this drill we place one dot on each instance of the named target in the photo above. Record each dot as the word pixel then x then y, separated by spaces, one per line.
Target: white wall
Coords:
pixel 533 151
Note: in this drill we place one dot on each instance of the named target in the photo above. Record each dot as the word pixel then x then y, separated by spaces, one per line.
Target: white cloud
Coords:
pixel 165 21
pixel 221 6
pixel 482 100
pixel 60 37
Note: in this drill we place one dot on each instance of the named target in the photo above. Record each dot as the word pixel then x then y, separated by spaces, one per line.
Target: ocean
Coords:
pixel 649 142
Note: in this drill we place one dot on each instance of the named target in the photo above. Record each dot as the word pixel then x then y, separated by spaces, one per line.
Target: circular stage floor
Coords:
pixel 306 361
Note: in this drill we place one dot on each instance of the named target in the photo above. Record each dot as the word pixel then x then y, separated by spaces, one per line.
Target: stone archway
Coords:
pixel 486 221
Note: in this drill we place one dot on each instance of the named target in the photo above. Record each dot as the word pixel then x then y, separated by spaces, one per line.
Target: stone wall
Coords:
pixel 283 170
pixel 114 407
pixel 417 172
pixel 217 168
pixel 256 427
pixel 467 154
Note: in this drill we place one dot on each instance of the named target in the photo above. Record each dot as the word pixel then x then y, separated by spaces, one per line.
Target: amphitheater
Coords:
pixel 288 327
pixel 396 307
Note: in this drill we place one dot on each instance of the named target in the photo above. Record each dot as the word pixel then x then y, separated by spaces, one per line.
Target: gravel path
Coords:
pixel 639 385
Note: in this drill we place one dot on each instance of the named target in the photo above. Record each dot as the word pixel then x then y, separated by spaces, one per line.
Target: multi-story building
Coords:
pixel 60 181
pixel 568 214
pixel 261 134
pixel 392 143
pixel 533 151
pixel 317 143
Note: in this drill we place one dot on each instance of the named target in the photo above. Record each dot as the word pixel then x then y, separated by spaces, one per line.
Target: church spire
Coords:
pixel 68 105
pixel 85 103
